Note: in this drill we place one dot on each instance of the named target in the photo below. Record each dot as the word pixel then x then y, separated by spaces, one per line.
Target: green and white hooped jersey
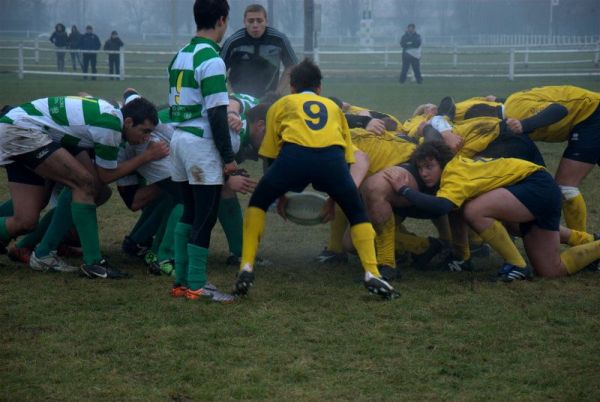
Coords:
pixel 74 121
pixel 247 102
pixel 196 84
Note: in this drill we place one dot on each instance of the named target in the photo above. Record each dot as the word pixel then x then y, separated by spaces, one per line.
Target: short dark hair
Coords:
pixel 255 8
pixel 305 76
pixel 140 110
pixel 208 12
pixel 437 150
pixel 483 110
pixel 411 25
pixel 258 112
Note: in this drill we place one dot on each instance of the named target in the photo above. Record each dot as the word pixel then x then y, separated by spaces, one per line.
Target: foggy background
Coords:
pixel 340 20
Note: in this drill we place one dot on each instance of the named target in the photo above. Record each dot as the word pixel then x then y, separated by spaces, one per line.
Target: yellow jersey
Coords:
pixel 463 107
pixel 305 119
pixel 356 110
pixel 477 134
pixel 411 125
pixel 383 150
pixel 464 179
pixel 579 102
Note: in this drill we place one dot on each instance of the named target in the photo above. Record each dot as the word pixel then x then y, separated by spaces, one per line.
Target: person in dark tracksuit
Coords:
pixel 89 41
pixel 60 39
pixel 411 53
pixel 114 43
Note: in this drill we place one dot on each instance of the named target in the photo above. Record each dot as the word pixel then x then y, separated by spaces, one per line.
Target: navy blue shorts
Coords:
pixel 584 141
pixel 542 197
pixel 325 168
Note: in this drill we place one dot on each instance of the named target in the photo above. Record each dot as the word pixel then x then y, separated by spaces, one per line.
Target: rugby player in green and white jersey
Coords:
pixel 200 147
pixel 46 140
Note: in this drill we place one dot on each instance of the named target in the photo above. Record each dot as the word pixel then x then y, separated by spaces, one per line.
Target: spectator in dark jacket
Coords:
pixel 60 39
pixel 74 39
pixel 114 43
pixel 89 41
pixel 411 53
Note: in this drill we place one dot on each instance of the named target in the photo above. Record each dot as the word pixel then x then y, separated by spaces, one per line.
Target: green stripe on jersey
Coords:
pixel 106 120
pixel 164 116
pixel 181 113
pixel 31 110
pixel 106 152
pixel 187 79
pixel 6 120
pixel 203 55
pixel 193 130
pixel 91 110
pixel 69 141
pixel 213 85
pixel 58 110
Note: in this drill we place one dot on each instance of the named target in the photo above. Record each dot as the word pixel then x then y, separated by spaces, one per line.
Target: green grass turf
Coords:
pixel 306 332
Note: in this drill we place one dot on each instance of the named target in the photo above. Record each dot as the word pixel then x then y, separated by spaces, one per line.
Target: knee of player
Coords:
pixel 25 224
pixel 102 194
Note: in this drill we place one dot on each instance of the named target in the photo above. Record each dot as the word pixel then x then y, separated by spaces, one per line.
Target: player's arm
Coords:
pixel 217 117
pixel 284 82
pixel 359 169
pixel 289 60
pixel 154 151
pixel 136 197
pixel 430 204
pixel 234 119
pixel 553 113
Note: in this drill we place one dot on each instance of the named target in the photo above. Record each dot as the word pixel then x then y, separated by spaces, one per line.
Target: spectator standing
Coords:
pixel 74 40
pixel 89 41
pixel 60 39
pixel 114 43
pixel 253 55
pixel 411 53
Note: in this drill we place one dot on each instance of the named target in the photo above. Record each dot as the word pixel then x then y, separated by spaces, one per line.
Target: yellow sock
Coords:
pixel 474 238
pixel 576 258
pixel 254 225
pixel 412 243
pixel 577 238
pixel 337 228
pixel 444 230
pixel 363 238
pixel 385 242
pixel 575 213
pixel 497 237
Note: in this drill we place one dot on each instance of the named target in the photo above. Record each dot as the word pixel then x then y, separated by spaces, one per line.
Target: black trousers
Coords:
pixel 89 59
pixel 114 61
pixel 407 62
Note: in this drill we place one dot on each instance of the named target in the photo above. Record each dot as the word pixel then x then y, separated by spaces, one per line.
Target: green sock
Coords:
pixel 4 236
pixel 32 239
pixel 84 217
pixel 181 237
pixel 230 216
pixel 197 266
pixel 60 224
pixel 166 248
pixel 6 208
pixel 151 219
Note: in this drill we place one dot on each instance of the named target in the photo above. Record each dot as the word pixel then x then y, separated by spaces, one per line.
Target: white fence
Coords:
pixel 457 61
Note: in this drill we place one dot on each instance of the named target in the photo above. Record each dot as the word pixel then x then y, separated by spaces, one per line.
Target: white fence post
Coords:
pixel 386 57
pixel 597 55
pixel 37 50
pixel 121 64
pixel 511 65
pixel 316 55
pixel 455 57
pixel 526 61
pixel 21 61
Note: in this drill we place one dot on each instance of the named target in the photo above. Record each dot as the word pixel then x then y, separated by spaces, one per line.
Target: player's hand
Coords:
pixel 281 204
pixel 515 126
pixel 376 126
pixel 240 184
pixel 328 210
pixel 454 142
pixel 490 98
pixel 234 121
pixel 364 113
pixel 396 177
pixel 156 150
pixel 419 132
pixel 229 168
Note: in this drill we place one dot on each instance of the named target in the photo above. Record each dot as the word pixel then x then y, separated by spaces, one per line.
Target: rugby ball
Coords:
pixel 305 208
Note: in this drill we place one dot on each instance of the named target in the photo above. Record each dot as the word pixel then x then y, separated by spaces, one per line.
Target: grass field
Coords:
pixel 306 332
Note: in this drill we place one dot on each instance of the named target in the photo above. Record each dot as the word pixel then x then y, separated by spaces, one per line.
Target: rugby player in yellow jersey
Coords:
pixel 558 114
pixel 309 140
pixel 491 191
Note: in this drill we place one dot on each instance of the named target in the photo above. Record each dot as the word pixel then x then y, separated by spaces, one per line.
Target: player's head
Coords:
pixel 255 20
pixel 59 27
pixel 431 158
pixel 484 110
pixel 411 27
pixel 89 29
pixel 139 120
pixel 305 76
pixel 256 123
pixel 211 14
pixel 426 109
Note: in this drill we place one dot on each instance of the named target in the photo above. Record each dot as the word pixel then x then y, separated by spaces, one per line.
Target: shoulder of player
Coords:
pixel 275 34
pixel 236 36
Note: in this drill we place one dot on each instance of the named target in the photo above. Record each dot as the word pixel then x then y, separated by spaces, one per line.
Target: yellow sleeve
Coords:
pixel 349 148
pixel 272 142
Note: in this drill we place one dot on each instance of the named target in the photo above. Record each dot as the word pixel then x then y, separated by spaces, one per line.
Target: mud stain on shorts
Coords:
pixel 197 174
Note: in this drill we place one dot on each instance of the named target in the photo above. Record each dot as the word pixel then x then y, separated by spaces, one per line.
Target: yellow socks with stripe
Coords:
pixel 254 226
pixel 385 242
pixel 497 237
pixel 181 237
pixel 577 238
pixel 575 212
pixel 337 228
pixel 363 238
pixel 577 258
pixel 411 243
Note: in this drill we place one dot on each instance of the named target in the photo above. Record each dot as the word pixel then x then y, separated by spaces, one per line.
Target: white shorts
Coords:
pixel 195 159
pixel 15 140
